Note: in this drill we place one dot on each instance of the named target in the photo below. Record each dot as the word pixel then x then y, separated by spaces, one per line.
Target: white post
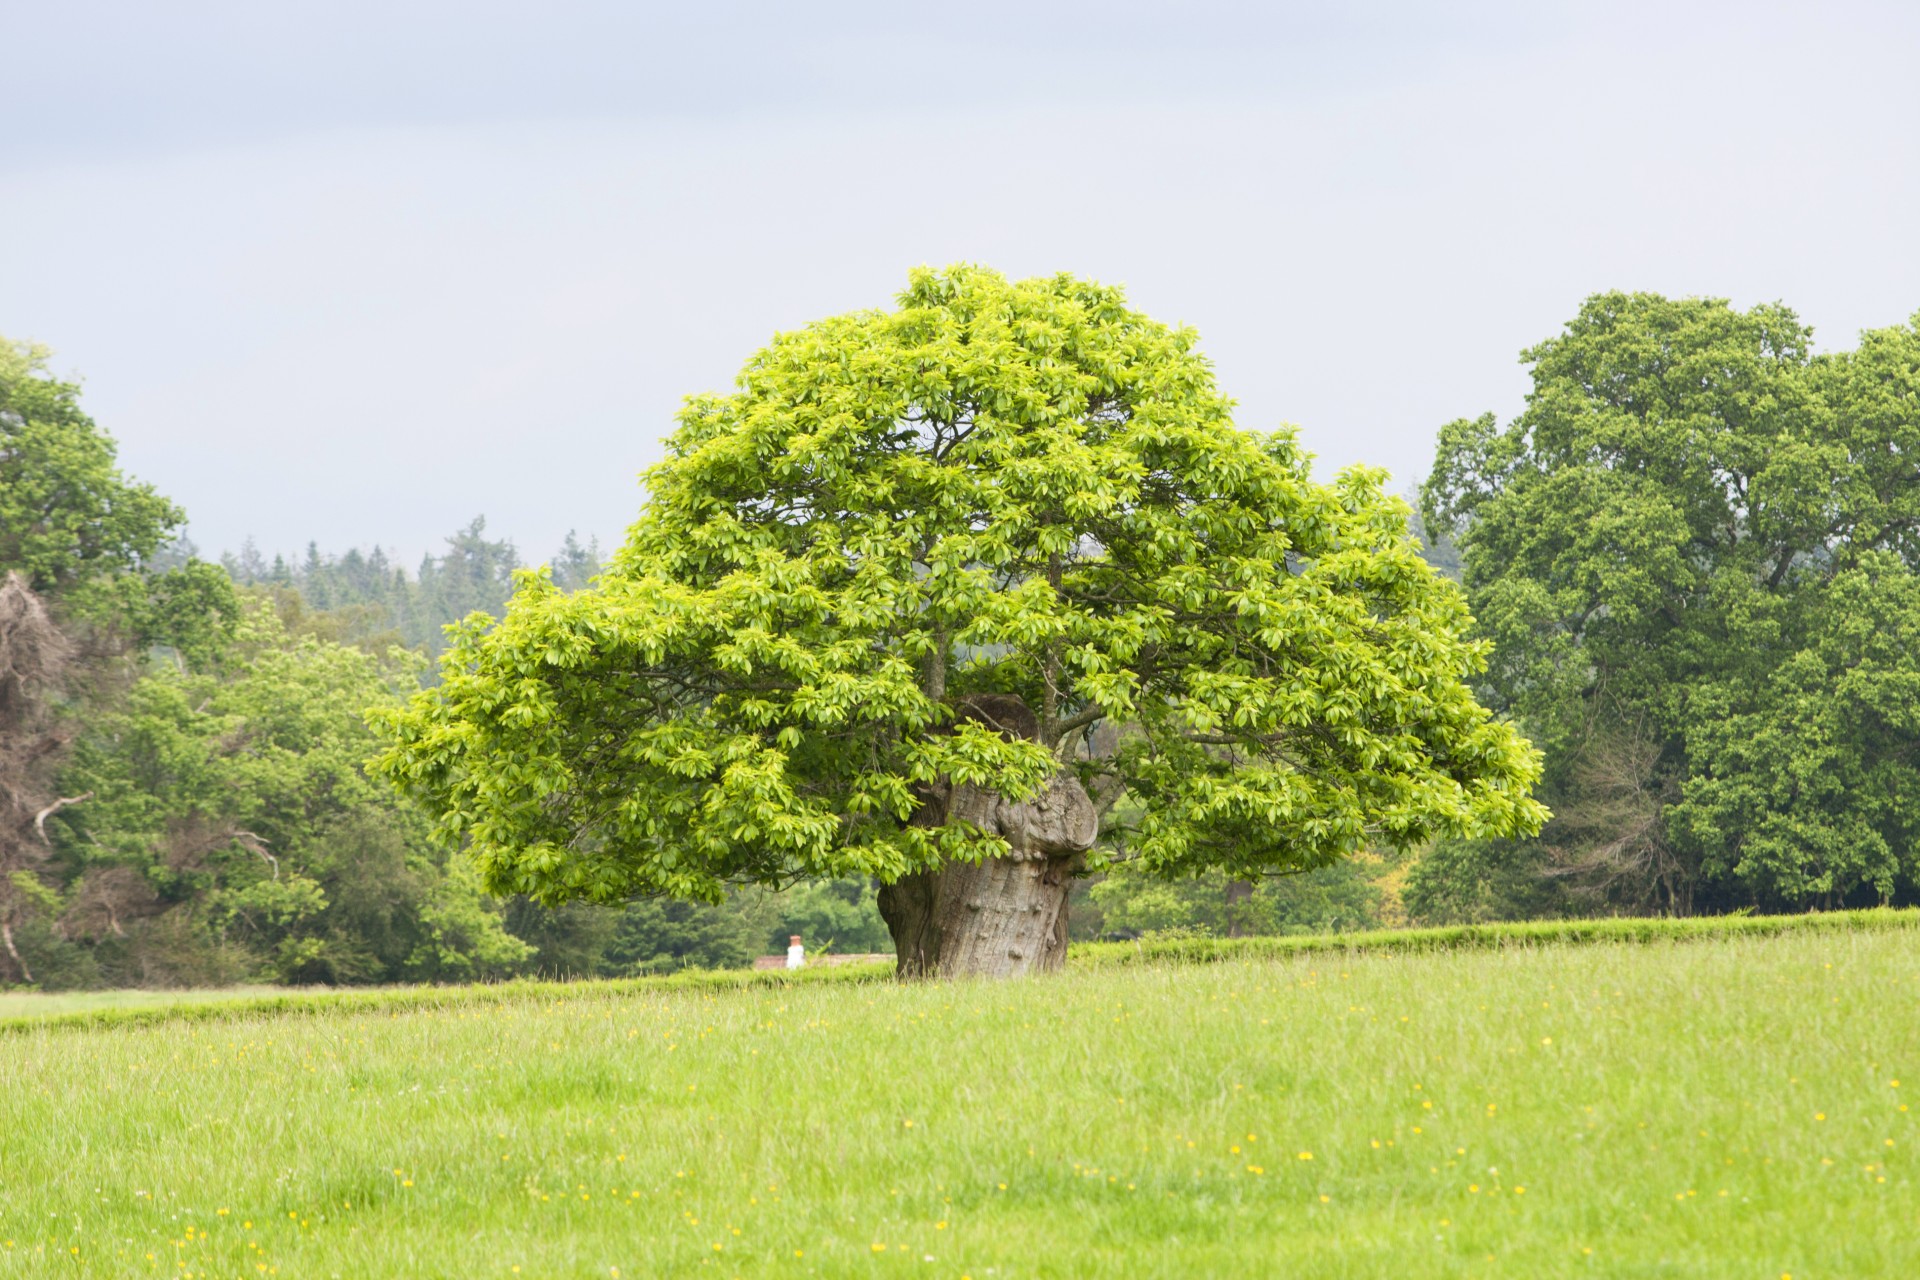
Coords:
pixel 796 953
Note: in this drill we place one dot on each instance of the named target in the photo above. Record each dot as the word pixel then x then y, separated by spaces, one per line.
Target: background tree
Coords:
pixel 364 598
pixel 241 836
pixel 1695 555
pixel 83 537
pixel 884 593
pixel 474 575
pixel 575 563
pixel 33 655
pixel 85 592
pixel 1334 899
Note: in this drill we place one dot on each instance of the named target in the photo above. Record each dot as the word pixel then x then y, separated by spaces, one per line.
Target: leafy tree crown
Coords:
pixel 1696 553
pixel 81 534
pixel 1010 488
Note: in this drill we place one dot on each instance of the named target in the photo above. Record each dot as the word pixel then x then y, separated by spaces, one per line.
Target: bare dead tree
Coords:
pixel 1608 840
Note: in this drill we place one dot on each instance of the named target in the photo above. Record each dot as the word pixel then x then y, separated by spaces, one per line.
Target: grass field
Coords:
pixel 1724 1106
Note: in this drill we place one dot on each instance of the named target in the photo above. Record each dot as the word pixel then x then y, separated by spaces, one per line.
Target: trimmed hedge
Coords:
pixel 1488 936
pixel 1092 955
pixel 397 1000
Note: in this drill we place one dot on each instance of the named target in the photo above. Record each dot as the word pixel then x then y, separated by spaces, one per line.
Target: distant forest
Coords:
pixel 371 601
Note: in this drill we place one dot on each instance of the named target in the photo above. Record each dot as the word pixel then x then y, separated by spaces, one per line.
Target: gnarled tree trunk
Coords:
pixel 1003 917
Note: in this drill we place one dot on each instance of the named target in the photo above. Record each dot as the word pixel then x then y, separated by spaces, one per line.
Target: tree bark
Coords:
pixel 1002 917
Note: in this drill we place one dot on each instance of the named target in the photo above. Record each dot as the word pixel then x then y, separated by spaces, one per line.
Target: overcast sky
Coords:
pixel 356 272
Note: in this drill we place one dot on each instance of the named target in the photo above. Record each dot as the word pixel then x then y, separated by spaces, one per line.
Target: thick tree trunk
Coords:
pixel 1001 918
pixel 1004 917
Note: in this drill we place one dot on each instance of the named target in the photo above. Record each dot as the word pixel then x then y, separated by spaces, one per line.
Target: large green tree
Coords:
pixel 1695 553
pixel 923 597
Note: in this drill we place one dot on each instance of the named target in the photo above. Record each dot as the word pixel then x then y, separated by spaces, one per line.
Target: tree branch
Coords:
pixel 1107 792
pixel 1078 720
pixel 1780 570
pixel 934 676
pixel 6 935
pixel 40 818
pixel 254 844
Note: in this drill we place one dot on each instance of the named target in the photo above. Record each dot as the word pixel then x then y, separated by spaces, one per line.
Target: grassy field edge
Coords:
pixel 1094 955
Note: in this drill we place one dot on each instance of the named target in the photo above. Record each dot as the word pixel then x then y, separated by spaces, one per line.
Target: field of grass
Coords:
pixel 1729 1105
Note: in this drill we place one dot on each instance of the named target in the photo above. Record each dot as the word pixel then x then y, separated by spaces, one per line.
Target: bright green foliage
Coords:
pixel 1695 553
pixel 1017 488
pixel 82 535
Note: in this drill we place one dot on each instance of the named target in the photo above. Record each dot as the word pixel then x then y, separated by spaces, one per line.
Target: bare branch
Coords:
pixel 254 844
pixel 1079 720
pixel 40 818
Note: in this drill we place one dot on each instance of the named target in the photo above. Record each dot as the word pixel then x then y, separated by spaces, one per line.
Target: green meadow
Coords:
pixel 1733 1103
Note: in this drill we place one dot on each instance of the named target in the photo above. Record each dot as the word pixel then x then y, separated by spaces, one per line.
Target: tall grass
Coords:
pixel 1727 1107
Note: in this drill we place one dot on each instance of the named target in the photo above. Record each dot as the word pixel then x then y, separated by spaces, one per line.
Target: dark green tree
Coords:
pixel 88 541
pixel 364 598
pixel 1695 555
pixel 473 576
pixel 232 830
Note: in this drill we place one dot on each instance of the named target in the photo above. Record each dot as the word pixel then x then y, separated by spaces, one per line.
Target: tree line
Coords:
pixel 1691 561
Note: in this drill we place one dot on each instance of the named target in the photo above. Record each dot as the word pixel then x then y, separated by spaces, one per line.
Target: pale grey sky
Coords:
pixel 357 272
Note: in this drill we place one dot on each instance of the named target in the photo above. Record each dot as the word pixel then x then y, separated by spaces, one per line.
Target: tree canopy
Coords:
pixel 1695 553
pixel 83 537
pixel 998 488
